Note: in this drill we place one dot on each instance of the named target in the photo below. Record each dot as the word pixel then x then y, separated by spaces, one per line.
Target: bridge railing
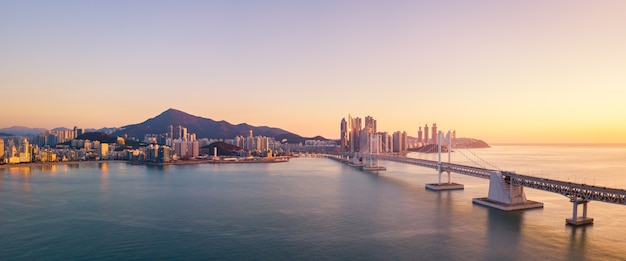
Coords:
pixel 575 191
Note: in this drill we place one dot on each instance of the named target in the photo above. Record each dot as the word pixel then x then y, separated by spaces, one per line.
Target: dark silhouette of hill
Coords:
pixel 106 138
pixel 202 127
pixel 223 149
pixel 2 134
pixel 99 136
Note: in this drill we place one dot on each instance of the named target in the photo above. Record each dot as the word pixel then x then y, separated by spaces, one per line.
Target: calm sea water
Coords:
pixel 306 209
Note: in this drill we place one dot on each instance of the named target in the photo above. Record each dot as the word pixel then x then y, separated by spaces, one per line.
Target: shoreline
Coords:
pixel 180 162
pixel 196 162
pixel 44 164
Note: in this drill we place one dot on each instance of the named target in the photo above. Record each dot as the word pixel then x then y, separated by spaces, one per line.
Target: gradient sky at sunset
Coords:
pixel 502 71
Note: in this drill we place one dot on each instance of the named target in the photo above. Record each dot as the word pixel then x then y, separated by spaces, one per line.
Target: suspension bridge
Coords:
pixel 505 187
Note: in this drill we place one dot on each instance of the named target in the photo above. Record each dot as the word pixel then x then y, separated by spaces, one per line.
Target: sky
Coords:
pixel 501 71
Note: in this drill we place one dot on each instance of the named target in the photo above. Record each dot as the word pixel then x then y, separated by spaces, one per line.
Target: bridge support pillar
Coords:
pixel 443 186
pixel 505 196
pixel 576 220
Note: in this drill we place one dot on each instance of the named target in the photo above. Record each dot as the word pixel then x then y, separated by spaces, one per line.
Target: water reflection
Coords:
pixel 22 174
pixel 104 181
pixel 577 242
pixel 503 233
pixel 73 165
pixel 159 168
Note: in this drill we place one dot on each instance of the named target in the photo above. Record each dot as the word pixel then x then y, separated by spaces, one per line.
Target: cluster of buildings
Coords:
pixel 178 143
pixel 423 137
pixel 358 135
pixel 16 150
pixel 361 136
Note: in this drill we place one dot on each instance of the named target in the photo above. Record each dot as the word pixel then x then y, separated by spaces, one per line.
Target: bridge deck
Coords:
pixel 575 191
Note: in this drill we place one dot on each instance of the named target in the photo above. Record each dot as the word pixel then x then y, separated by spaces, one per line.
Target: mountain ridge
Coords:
pixel 202 127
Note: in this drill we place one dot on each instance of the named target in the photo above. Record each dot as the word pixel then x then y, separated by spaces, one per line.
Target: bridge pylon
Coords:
pixel 579 220
pixel 503 195
pixel 443 186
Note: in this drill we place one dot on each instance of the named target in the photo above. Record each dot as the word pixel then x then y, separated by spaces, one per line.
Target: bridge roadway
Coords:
pixel 574 191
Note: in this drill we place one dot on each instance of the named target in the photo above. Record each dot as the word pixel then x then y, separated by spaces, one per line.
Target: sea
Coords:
pixel 309 208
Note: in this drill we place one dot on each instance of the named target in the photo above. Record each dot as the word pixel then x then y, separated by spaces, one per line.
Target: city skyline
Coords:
pixel 514 72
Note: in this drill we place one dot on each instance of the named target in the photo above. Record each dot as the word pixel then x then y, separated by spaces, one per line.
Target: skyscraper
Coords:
pixel 344 134
pixel 179 131
pixel 1 150
pixel 435 138
pixel 426 141
pixel 183 134
pixel 419 135
pixel 370 125
pixel 356 134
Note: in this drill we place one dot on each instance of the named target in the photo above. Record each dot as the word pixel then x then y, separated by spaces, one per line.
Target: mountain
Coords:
pixel 21 130
pixel 202 127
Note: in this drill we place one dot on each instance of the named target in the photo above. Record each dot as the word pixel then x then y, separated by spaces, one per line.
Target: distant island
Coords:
pixel 459 143
pixel 469 143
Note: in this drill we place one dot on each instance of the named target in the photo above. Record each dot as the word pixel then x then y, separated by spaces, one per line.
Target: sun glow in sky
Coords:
pixel 501 71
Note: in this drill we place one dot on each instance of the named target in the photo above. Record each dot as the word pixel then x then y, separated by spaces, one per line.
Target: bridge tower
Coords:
pixel 440 168
pixel 503 195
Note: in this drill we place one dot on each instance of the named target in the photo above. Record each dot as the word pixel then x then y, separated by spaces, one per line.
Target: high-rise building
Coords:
pixel 183 134
pixel 344 135
pixel 163 154
pixel 104 150
pixel 419 135
pixel 370 125
pixel 398 142
pixel 194 149
pixel 171 132
pixel 405 142
pixel 1 150
pixel 426 141
pixel 435 139
pixel 356 134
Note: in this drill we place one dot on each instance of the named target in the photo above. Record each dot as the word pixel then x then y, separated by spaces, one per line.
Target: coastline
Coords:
pixel 180 162
pixel 44 164
pixel 220 161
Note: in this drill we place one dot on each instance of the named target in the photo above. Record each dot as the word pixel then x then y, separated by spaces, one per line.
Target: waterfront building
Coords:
pixel 163 154
pixel 103 152
pixel 194 150
pixel 405 142
pixel 435 138
pixel 344 135
pixel 419 135
pixel 426 141
pixel 370 125
pixel 364 141
pixel 400 142
pixel 1 151
pixel 181 133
